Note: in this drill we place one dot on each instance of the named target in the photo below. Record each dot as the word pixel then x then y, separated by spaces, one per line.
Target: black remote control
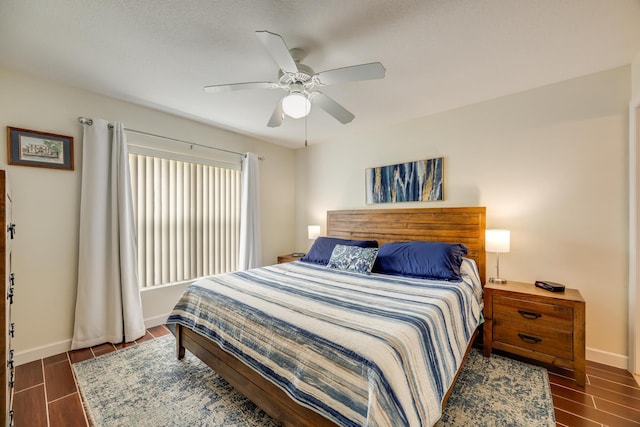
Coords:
pixel 550 286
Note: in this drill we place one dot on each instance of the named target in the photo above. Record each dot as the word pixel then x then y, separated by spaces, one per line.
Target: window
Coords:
pixel 187 218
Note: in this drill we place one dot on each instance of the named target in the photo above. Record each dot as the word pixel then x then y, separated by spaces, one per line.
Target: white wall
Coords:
pixel 549 164
pixel 46 203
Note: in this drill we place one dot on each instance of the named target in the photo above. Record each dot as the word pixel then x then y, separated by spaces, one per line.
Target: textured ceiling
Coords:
pixel 439 54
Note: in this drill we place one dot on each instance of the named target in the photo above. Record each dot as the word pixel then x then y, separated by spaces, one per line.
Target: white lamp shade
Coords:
pixel 313 231
pixel 497 240
pixel 296 105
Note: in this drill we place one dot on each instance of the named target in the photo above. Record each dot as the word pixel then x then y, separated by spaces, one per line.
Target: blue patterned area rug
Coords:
pixel 145 385
pixel 497 391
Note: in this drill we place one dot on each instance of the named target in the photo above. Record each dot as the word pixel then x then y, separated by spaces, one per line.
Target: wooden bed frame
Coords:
pixel 456 225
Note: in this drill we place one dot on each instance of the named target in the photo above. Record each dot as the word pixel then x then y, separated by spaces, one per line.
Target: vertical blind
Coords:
pixel 187 219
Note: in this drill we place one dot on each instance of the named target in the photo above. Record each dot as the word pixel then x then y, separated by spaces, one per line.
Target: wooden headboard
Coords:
pixel 453 225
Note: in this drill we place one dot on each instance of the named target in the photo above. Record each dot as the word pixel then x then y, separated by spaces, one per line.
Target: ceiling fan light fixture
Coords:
pixel 300 82
pixel 296 105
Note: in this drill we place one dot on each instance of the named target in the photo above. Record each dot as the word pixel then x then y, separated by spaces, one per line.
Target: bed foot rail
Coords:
pixel 179 345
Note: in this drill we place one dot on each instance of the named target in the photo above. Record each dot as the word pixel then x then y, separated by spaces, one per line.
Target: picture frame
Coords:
pixel 417 181
pixel 39 149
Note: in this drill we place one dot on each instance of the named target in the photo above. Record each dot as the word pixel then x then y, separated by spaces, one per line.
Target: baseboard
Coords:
pixel 156 321
pixel 607 358
pixel 37 353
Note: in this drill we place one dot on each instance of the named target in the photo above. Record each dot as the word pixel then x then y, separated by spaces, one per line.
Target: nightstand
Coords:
pixel 548 327
pixel 289 257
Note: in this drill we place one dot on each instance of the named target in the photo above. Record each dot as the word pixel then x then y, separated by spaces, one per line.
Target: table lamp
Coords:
pixel 313 232
pixel 497 241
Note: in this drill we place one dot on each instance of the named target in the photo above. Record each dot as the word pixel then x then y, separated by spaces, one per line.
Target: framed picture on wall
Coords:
pixel 39 149
pixel 419 181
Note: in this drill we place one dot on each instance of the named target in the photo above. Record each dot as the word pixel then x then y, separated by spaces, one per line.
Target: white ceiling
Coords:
pixel 439 54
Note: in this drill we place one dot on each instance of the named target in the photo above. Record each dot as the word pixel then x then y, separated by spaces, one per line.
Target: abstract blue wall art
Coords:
pixel 419 181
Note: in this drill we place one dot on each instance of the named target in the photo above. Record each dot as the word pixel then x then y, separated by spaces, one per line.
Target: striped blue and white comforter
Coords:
pixel 360 349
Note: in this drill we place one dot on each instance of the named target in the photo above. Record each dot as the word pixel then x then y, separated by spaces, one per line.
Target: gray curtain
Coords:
pixel 108 304
pixel 250 241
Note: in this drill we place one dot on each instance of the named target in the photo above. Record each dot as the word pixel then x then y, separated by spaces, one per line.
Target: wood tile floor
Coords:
pixel 611 397
pixel 46 393
pixel 45 390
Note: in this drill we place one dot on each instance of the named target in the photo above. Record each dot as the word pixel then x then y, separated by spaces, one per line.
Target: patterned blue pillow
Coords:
pixel 353 258
pixel 322 248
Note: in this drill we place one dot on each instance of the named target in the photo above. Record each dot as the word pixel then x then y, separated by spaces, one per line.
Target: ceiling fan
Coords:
pixel 301 82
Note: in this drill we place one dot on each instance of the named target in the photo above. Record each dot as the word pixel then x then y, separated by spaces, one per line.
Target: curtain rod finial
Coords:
pixel 85 121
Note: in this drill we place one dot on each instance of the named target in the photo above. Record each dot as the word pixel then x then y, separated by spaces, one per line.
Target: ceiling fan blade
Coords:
pixel 278 50
pixel 240 86
pixel 373 70
pixel 276 117
pixel 340 113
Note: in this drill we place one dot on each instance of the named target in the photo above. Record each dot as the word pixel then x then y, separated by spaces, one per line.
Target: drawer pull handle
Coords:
pixel 529 314
pixel 529 339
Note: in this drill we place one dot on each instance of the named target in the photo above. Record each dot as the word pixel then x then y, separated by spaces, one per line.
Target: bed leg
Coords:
pixel 179 346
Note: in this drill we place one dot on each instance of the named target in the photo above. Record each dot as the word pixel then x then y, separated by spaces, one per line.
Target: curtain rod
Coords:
pixel 89 122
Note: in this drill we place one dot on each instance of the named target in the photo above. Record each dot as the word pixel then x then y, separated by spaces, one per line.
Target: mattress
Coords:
pixel 359 349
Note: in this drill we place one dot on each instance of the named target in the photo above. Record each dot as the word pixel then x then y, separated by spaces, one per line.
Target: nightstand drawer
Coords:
pixel 542 341
pixel 539 315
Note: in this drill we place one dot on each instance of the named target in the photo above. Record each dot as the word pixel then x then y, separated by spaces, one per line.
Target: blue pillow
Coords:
pixel 353 258
pixel 322 248
pixel 427 260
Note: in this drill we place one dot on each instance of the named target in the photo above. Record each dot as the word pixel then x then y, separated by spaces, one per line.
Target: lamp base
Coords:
pixel 497 280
